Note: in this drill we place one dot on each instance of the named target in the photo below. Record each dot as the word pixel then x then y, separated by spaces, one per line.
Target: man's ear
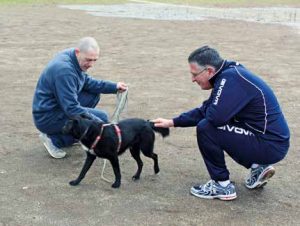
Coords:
pixel 77 51
pixel 211 70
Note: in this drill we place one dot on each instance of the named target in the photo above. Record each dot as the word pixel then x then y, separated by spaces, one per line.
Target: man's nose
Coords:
pixel 91 63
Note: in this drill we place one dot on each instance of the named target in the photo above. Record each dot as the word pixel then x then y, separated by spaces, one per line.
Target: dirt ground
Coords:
pixel 152 57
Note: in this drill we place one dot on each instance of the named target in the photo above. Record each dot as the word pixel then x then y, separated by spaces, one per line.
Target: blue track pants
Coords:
pixel 239 143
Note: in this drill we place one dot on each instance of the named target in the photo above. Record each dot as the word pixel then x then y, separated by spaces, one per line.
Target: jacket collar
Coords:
pixel 226 64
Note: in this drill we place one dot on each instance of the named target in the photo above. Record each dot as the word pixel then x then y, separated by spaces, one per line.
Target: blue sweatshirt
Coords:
pixel 240 96
pixel 58 88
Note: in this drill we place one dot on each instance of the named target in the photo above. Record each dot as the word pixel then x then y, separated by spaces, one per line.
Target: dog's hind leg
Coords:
pixel 88 162
pixel 147 146
pixel 135 153
pixel 116 167
pixel 155 159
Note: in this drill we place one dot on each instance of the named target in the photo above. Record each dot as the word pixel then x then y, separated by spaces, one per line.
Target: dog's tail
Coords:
pixel 163 131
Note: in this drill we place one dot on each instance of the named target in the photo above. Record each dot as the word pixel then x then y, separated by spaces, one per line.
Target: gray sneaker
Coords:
pixel 258 177
pixel 51 148
pixel 213 190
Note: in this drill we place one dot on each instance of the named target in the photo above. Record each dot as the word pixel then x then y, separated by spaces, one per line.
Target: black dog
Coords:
pixel 109 140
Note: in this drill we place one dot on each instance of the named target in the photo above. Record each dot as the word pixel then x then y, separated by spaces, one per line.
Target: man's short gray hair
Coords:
pixel 206 56
pixel 87 43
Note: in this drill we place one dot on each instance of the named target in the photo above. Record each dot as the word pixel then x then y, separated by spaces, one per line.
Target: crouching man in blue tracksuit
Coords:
pixel 241 117
pixel 65 91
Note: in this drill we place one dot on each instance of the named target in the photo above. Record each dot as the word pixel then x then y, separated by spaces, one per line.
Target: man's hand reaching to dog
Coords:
pixel 161 122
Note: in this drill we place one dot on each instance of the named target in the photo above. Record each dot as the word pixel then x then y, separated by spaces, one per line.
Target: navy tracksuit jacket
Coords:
pixel 242 117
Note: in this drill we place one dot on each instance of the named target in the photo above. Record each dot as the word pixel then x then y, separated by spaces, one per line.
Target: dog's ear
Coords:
pixel 86 116
pixel 75 119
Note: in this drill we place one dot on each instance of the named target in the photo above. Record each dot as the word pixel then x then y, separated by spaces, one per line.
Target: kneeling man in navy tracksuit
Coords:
pixel 241 117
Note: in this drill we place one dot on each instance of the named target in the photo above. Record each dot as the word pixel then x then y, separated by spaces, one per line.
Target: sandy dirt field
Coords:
pixel 152 57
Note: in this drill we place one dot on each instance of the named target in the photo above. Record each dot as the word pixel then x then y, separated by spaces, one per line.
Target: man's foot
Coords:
pixel 51 148
pixel 213 190
pixel 258 177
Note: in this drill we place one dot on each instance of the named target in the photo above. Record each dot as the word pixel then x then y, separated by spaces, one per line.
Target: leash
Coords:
pixel 122 100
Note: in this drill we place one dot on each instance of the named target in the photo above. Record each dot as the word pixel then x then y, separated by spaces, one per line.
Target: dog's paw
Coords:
pixel 116 185
pixel 135 178
pixel 73 183
pixel 156 170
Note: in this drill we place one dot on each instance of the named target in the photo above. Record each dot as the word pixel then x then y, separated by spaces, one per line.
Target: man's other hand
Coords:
pixel 121 86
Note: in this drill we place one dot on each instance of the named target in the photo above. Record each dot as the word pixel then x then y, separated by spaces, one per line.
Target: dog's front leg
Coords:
pixel 116 167
pixel 88 162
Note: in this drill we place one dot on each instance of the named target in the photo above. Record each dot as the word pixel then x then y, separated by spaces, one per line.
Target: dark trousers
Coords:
pixel 54 130
pixel 239 143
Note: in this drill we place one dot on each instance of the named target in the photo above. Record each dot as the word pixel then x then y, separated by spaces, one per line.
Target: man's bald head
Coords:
pixel 88 43
pixel 87 52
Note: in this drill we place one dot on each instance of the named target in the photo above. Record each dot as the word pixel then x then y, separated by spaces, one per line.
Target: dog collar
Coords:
pixel 84 133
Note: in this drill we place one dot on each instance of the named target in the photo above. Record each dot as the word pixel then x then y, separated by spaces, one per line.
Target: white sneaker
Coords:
pixel 51 148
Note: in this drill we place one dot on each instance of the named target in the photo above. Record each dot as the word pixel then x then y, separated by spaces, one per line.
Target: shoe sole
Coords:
pixel 266 177
pixel 263 179
pixel 54 156
pixel 50 153
pixel 221 197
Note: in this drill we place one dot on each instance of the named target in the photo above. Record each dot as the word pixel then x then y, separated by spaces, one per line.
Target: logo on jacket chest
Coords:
pixel 219 92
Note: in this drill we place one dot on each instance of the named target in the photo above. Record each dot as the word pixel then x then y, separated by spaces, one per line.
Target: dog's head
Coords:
pixel 77 127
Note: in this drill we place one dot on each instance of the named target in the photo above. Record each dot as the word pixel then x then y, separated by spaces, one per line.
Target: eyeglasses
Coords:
pixel 196 74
